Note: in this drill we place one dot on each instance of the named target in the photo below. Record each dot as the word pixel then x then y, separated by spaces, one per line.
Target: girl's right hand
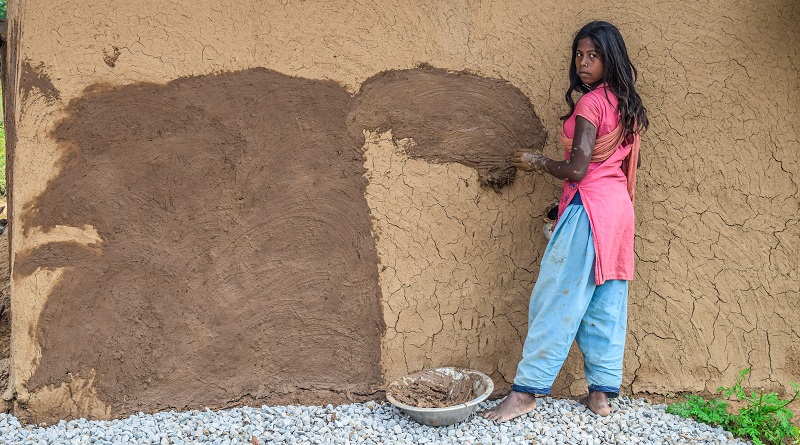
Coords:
pixel 529 161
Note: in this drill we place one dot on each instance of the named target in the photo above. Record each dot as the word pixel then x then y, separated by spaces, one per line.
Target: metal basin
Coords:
pixel 482 387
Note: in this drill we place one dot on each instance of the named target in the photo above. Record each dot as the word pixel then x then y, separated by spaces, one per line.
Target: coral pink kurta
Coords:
pixel 604 190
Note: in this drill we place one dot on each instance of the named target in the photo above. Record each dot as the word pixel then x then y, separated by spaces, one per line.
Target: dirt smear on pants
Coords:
pixel 237 264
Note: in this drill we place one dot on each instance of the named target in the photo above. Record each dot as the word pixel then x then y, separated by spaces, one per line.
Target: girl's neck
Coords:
pixel 594 86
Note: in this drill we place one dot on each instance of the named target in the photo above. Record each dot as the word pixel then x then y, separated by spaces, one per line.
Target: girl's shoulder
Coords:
pixel 600 97
pixel 599 107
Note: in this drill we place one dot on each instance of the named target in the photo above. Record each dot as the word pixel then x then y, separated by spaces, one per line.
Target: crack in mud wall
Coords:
pixel 434 142
pixel 454 263
pixel 718 274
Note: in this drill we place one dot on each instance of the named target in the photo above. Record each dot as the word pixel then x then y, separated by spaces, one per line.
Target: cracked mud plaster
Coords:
pixel 717 286
pixel 447 262
pixel 76 397
pixel 455 263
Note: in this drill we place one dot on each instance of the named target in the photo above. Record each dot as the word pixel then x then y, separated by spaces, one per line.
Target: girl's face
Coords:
pixel 589 63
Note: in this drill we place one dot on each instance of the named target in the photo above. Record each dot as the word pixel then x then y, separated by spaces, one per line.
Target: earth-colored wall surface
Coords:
pixel 221 205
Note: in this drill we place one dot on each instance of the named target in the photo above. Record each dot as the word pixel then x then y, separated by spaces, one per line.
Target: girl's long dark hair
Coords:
pixel 618 72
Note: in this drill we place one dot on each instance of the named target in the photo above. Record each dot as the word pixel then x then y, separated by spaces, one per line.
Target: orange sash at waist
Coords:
pixel 606 145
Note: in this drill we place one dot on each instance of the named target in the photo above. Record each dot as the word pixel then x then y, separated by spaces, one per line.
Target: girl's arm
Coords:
pixel 577 166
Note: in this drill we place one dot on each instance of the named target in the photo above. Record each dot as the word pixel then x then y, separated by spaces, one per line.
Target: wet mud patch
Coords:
pixel 236 262
pixel 236 255
pixel 452 117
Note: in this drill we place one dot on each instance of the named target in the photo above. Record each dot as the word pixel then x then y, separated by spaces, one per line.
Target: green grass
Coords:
pixel 764 419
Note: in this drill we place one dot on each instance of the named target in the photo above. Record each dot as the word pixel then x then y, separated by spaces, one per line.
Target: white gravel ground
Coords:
pixel 556 422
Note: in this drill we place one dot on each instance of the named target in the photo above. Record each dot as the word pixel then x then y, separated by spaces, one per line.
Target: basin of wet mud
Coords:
pixel 440 396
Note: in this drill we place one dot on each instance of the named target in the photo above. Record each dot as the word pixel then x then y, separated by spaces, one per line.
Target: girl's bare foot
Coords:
pixel 514 405
pixel 597 401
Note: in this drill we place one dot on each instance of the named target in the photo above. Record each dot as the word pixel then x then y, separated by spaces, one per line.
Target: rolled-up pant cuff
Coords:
pixel 530 390
pixel 611 392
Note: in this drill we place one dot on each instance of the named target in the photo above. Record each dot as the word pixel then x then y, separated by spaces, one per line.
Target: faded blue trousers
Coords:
pixel 567 305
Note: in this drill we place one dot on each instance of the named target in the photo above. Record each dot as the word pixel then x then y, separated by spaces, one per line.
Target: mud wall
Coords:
pixel 297 202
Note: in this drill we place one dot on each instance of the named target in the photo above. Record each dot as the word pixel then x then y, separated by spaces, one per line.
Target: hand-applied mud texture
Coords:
pixel 432 388
pixel 236 260
pixel 452 117
pixel 35 78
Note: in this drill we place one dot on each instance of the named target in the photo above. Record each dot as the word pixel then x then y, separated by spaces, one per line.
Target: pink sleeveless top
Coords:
pixel 604 190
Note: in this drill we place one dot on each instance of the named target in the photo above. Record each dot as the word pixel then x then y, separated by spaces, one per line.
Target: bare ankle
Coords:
pixel 514 405
pixel 597 402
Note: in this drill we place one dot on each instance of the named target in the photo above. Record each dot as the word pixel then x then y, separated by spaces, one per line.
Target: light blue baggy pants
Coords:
pixel 567 305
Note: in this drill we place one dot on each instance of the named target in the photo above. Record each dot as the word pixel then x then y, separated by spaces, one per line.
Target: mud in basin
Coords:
pixel 437 388
pixel 440 396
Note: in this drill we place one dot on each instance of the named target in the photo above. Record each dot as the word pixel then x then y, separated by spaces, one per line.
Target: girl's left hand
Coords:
pixel 529 161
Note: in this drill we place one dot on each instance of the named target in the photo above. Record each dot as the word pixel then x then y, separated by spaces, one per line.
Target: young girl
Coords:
pixel 582 290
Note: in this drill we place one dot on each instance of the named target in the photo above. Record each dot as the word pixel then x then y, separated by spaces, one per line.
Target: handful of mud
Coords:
pixel 436 388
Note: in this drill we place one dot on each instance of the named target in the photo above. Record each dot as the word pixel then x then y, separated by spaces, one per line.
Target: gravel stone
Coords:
pixel 558 422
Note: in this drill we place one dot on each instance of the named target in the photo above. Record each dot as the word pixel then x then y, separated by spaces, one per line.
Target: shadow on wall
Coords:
pixel 236 262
